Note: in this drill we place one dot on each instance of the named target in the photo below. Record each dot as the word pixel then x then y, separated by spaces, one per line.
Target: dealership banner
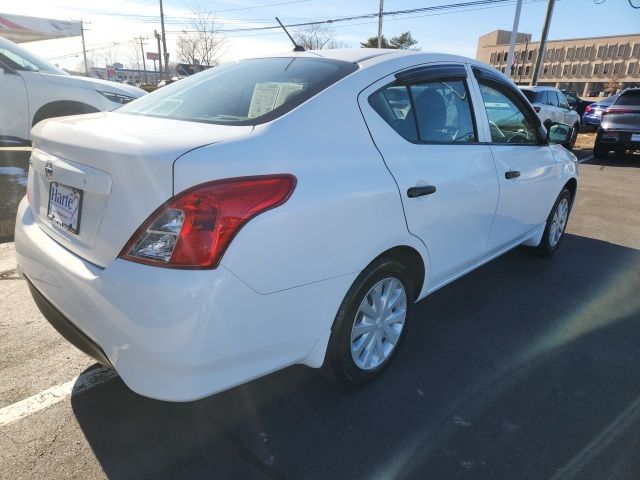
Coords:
pixel 18 28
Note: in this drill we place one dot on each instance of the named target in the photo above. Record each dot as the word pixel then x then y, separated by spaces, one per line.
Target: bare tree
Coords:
pixel 317 37
pixel 613 85
pixel 134 56
pixel 202 43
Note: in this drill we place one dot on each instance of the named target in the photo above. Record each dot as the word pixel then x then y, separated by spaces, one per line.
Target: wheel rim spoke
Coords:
pixel 378 323
pixel 558 222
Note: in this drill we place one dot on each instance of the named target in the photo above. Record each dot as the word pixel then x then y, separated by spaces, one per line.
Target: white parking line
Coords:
pixel 586 159
pixel 40 401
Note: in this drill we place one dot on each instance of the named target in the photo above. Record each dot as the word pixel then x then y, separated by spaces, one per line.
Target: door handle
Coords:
pixel 511 174
pixel 420 191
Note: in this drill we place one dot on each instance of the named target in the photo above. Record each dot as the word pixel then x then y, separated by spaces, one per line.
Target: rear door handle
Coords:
pixel 420 191
pixel 511 174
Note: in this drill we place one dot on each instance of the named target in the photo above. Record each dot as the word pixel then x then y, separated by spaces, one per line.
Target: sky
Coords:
pixel 113 24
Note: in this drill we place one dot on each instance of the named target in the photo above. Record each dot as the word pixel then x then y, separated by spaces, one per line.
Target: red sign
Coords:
pixel 153 56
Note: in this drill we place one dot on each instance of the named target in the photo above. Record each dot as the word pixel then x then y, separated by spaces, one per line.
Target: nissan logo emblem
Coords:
pixel 48 169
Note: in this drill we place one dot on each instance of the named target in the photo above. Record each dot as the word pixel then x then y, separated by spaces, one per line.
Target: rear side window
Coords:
pixel 628 99
pixel 248 92
pixel 427 112
pixel 535 97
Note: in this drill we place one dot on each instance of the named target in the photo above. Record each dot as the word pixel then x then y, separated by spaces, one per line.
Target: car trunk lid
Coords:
pixel 120 165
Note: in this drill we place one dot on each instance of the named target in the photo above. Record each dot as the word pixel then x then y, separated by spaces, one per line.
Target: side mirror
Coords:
pixel 558 133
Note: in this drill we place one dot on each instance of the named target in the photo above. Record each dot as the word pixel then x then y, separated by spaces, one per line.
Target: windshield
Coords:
pixel 243 93
pixel 18 58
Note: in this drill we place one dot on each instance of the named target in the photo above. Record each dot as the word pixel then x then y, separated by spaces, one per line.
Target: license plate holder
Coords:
pixel 635 137
pixel 65 206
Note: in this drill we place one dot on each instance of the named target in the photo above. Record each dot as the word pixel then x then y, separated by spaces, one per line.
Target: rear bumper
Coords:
pixel 175 335
pixel 591 120
pixel 68 330
pixel 616 139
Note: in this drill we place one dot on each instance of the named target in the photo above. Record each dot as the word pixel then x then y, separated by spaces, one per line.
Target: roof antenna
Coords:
pixel 296 47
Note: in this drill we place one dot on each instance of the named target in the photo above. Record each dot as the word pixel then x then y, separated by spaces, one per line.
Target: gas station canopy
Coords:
pixel 21 29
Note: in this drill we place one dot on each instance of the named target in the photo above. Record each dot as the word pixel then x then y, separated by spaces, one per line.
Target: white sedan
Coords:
pixel 282 210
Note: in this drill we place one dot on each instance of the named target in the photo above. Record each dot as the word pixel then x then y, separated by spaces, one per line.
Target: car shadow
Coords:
pixel 617 160
pixel 526 368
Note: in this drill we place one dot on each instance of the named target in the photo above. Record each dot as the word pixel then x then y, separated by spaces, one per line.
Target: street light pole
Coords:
pixel 512 42
pixel 164 41
pixel 543 42
pixel 144 63
pixel 380 24
pixel 84 50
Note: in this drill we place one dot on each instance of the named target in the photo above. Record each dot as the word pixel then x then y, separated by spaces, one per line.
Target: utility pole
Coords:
pixel 514 35
pixel 144 63
pixel 380 24
pixel 526 51
pixel 164 41
pixel 84 50
pixel 155 34
pixel 543 42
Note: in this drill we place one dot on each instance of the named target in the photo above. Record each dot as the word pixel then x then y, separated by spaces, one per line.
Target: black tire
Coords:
pixel 599 151
pixel 547 247
pixel 574 136
pixel 339 365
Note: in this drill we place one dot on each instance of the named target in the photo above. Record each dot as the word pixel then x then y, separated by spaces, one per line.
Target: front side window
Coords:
pixel 562 101
pixel 427 112
pixel 509 121
pixel 247 92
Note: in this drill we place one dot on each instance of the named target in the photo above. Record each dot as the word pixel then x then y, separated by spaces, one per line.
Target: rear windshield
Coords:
pixel 609 100
pixel 243 93
pixel 629 99
pixel 533 96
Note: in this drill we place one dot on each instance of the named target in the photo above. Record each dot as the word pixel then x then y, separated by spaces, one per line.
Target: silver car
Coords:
pixel 552 106
pixel 620 125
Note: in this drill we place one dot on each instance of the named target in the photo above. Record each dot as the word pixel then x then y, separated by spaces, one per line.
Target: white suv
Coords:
pixel 31 89
pixel 551 105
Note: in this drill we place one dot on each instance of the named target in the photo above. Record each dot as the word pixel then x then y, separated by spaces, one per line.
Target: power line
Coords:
pixel 117 14
pixel 434 8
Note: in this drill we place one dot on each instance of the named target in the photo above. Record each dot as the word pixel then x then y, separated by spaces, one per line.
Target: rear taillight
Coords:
pixel 588 109
pixel 537 109
pixel 193 229
pixel 613 111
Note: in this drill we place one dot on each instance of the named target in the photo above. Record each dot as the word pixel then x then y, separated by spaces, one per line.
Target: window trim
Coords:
pixel 459 74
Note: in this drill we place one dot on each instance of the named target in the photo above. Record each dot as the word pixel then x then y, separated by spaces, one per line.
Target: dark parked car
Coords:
pixel 593 113
pixel 575 102
pixel 620 125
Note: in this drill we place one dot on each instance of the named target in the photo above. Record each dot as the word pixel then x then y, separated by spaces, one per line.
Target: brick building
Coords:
pixel 585 65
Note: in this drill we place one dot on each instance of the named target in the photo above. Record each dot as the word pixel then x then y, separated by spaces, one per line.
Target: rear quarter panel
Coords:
pixel 346 207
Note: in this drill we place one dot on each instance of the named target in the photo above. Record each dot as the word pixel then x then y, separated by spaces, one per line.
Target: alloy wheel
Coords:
pixel 558 222
pixel 378 323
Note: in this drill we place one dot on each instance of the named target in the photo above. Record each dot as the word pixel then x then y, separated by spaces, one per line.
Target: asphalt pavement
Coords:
pixel 526 368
